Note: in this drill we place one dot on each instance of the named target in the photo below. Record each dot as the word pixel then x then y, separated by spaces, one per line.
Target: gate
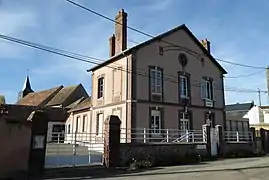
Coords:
pixel 214 141
pixel 74 149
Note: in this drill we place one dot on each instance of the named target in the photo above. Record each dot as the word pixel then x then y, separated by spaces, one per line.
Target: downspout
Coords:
pixel 126 103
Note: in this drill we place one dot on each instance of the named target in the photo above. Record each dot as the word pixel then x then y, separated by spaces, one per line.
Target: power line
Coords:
pixel 246 75
pixel 84 58
pixel 151 36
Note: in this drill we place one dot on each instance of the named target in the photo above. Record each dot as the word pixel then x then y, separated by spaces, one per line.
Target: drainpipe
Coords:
pixel 126 103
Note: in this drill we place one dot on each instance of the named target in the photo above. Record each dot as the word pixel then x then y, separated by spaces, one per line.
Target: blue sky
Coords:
pixel 238 32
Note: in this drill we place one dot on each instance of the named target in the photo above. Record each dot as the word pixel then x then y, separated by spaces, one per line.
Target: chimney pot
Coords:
pixel 206 44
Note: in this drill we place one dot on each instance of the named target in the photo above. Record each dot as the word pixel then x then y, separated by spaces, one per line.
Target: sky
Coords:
pixel 238 33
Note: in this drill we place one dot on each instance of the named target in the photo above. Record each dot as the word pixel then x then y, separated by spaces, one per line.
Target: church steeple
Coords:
pixel 26 89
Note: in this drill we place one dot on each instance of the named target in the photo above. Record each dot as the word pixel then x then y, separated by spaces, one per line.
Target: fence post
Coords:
pixel 187 135
pixel 112 141
pixel 220 139
pixel 237 136
pixel 254 139
pixel 207 138
pixel 145 135
pixel 263 140
pixel 167 135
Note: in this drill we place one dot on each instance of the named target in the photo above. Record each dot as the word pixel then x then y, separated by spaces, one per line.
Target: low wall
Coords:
pixel 15 140
pixel 160 153
pixel 229 147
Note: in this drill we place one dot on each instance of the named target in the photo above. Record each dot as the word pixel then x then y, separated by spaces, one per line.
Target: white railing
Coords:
pixel 145 135
pixel 238 136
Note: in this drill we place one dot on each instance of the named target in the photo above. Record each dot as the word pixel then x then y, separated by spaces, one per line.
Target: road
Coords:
pixel 229 169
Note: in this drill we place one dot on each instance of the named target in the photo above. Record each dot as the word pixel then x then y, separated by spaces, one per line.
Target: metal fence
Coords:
pixel 238 136
pixel 145 135
pixel 74 149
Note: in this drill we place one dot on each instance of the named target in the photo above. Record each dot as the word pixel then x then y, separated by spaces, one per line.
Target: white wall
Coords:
pixel 257 115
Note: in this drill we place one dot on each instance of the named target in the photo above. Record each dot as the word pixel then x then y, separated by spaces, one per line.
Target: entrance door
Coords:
pixel 184 126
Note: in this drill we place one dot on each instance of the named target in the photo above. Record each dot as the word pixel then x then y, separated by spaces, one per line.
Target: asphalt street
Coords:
pixel 228 169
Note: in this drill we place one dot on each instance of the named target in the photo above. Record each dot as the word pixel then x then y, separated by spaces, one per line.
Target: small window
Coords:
pixel 100 87
pixel 156 121
pixel 84 123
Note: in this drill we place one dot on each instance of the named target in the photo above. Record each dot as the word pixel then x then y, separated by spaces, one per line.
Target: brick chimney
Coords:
pixel 121 32
pixel 112 46
pixel 206 44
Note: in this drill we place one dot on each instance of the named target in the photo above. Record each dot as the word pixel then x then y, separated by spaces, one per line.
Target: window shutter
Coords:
pixel 190 120
pixel 202 86
pixel 179 114
pixel 189 87
pixel 212 90
pixel 149 127
pixel 162 119
pixel 179 88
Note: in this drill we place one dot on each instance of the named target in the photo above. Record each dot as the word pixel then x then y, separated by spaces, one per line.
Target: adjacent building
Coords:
pixel 61 97
pixel 237 118
pixel 158 85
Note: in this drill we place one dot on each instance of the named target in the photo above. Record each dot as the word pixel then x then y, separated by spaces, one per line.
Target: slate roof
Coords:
pixel 74 104
pixel 181 27
pixel 39 98
pixel 86 103
pixel 62 95
pixel 237 111
pixel 239 107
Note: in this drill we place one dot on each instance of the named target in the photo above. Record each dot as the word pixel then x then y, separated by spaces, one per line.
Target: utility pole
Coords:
pixel 259 94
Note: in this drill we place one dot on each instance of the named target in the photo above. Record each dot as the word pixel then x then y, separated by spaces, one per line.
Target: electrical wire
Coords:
pixel 84 58
pixel 246 75
pixel 151 36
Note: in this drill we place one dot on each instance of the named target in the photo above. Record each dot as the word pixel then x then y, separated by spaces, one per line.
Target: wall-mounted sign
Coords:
pixel 201 146
pixel 38 142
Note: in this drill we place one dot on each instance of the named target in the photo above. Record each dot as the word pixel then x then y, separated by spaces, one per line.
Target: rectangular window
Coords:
pixel 155 121
pixel 184 121
pixel 207 90
pixel 156 80
pixel 100 87
pixel 183 80
pixel 84 123
pixel 69 128
pixel 99 123
pixel 77 123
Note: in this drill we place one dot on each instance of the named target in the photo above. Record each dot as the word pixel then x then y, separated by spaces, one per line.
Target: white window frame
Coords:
pixel 184 120
pixel 68 128
pixel 84 122
pixel 206 90
pixel 156 115
pixel 182 90
pixel 156 80
pixel 77 123
pixel 99 121
pixel 99 91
